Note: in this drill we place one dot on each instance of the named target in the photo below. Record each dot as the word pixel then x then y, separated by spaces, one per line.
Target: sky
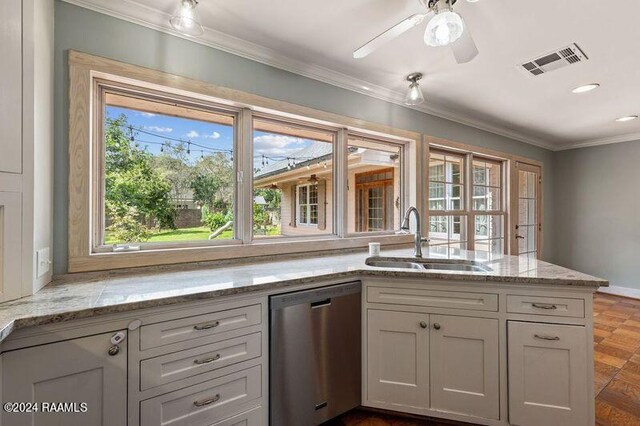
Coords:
pixel 157 128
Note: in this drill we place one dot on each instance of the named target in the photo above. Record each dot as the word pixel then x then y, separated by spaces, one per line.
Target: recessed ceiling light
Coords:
pixel 586 88
pixel 627 118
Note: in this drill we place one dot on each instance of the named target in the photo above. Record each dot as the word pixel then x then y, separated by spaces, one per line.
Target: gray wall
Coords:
pixel 596 206
pixel 94 33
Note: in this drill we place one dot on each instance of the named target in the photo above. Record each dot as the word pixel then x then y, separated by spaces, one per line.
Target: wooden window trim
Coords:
pixel 85 68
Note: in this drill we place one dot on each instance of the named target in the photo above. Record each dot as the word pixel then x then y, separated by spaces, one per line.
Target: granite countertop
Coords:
pixel 77 296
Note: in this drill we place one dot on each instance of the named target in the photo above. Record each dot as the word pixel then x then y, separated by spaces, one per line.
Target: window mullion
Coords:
pixel 340 183
pixel 471 219
pixel 244 176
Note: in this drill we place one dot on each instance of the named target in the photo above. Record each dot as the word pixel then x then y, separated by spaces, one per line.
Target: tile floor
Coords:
pixel 617 371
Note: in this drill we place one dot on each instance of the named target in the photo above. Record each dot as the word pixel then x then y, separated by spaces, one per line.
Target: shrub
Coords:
pixel 216 220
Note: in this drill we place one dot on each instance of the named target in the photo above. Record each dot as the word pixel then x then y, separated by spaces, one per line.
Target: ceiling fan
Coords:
pixel 445 28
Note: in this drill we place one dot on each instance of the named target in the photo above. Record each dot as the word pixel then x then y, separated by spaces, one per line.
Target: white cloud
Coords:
pixel 277 145
pixel 214 135
pixel 193 134
pixel 158 129
pixel 147 114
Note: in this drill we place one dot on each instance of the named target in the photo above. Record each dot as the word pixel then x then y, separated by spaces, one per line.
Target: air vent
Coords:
pixel 561 58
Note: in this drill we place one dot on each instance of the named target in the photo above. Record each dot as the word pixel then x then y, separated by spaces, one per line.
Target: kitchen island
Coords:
pixel 509 344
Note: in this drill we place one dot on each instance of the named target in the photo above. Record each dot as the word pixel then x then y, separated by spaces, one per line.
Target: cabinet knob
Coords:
pixel 436 326
pixel 113 350
pixel 423 324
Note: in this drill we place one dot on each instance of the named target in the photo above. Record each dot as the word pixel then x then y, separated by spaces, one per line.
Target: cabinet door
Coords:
pixel 398 358
pixel 73 371
pixel 10 245
pixel 548 374
pixel 11 86
pixel 465 366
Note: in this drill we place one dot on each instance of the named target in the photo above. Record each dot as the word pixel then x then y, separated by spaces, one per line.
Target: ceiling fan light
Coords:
pixel 185 19
pixel 443 29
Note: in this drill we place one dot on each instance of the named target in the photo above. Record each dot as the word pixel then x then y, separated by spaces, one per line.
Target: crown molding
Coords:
pixel 136 13
pixel 630 137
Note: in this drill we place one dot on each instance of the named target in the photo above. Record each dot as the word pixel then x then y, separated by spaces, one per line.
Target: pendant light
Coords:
pixel 414 94
pixel 185 19
pixel 445 27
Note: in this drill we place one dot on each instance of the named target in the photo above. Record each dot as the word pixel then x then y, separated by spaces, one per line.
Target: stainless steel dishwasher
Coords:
pixel 315 349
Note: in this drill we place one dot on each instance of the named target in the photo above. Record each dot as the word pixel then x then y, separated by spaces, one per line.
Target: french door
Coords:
pixel 526 228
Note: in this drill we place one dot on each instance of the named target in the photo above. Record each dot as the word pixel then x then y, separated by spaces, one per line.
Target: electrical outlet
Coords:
pixel 43 261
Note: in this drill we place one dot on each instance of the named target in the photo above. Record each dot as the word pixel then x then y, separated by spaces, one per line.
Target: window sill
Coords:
pixel 169 256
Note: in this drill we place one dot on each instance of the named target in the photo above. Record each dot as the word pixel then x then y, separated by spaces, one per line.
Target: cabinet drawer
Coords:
pixel 252 417
pixel 203 404
pixel 179 365
pixel 435 298
pixel 165 333
pixel 554 306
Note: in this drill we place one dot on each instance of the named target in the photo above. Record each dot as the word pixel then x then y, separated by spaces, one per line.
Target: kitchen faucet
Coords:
pixel 404 229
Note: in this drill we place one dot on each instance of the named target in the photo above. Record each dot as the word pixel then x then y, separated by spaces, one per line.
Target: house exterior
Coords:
pixel 374 181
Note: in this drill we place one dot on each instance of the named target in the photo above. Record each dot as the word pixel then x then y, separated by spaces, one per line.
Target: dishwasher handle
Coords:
pixel 321 303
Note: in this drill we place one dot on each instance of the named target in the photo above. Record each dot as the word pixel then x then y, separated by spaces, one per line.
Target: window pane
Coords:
pixel 479 173
pixel 436 167
pixel 488 227
pixel 486 198
pixel 455 196
pixel 292 185
pixel 169 172
pixel 436 196
pixel 374 177
pixel 450 230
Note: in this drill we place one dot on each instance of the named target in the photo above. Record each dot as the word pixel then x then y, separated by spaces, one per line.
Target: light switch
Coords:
pixel 43 261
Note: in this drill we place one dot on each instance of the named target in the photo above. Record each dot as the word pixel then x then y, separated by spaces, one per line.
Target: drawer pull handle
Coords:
pixel 207 360
pixel 436 326
pixel 206 326
pixel 207 401
pixel 538 336
pixel 544 306
pixel 423 324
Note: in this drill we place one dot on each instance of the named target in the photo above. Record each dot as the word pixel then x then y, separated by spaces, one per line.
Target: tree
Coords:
pixel 213 182
pixel 134 190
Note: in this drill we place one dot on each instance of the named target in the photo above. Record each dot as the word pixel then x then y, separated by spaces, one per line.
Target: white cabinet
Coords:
pixel 465 365
pixel 443 362
pixel 548 374
pixel 398 358
pixel 72 371
pixel 11 86
pixel 10 245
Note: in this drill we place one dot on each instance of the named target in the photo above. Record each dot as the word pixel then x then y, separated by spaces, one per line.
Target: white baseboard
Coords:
pixel 633 293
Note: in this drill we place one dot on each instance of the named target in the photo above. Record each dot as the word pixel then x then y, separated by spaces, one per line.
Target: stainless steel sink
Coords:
pixel 381 263
pixel 428 264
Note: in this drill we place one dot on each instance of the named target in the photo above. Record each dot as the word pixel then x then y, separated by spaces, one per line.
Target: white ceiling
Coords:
pixel 316 38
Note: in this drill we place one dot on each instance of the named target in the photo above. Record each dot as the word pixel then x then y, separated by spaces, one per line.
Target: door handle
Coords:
pixel 519 236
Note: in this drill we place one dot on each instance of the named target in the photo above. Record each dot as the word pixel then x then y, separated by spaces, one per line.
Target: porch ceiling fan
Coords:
pixel 445 28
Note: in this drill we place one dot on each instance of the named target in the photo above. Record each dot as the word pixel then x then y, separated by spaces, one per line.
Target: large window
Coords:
pixel 466 209
pixel 168 172
pixel 292 179
pixel 165 169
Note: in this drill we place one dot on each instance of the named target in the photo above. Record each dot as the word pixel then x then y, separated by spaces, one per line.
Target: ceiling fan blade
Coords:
pixel 390 34
pixel 464 49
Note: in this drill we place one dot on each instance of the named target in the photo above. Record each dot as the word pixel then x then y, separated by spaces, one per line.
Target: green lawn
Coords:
pixel 188 234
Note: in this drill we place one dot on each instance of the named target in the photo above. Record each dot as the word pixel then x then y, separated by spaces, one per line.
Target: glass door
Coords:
pixel 527 229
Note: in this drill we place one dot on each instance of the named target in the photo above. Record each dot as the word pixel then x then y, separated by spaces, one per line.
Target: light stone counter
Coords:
pixel 86 295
